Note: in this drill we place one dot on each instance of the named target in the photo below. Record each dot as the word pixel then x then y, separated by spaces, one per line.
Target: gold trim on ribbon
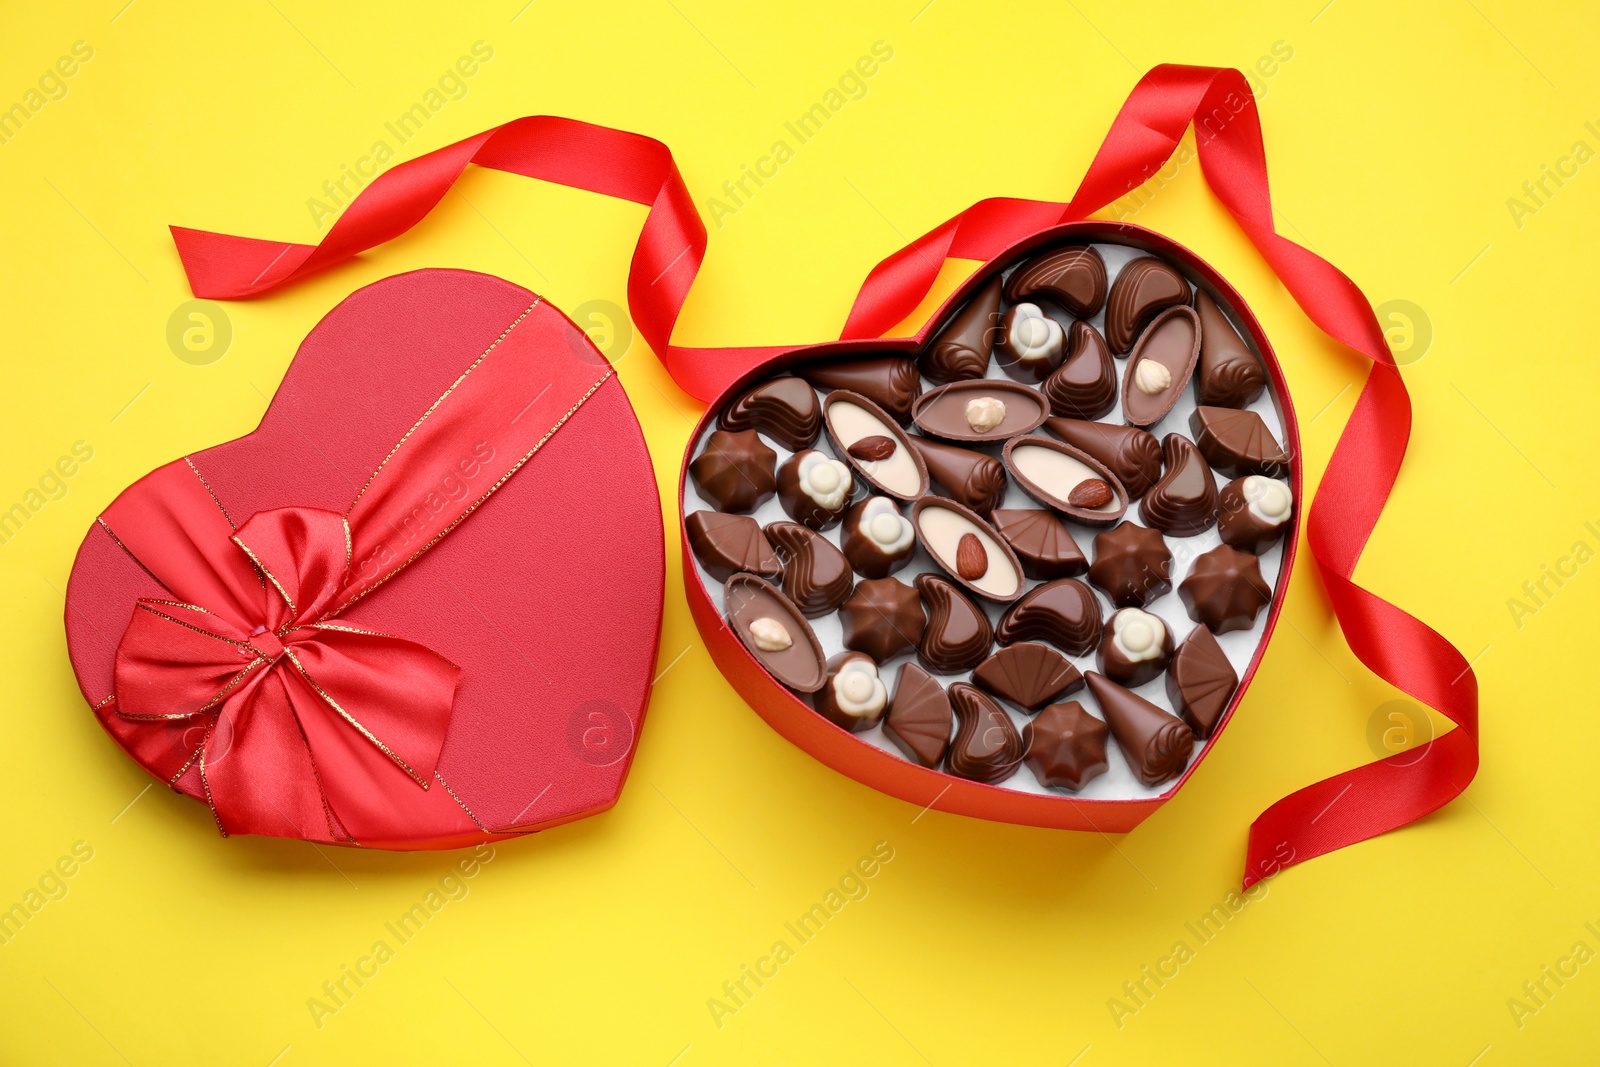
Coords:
pixel 453 796
pixel 211 493
pixel 351 719
pixel 294 612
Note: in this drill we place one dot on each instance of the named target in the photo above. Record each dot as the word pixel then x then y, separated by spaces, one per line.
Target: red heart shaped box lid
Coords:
pixel 548 596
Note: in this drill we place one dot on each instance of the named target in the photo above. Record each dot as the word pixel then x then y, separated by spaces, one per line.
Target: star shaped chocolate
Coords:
pixel 1066 746
pixel 1225 590
pixel 882 617
pixel 1132 565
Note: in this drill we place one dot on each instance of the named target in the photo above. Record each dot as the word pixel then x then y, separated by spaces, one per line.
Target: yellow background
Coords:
pixel 1396 136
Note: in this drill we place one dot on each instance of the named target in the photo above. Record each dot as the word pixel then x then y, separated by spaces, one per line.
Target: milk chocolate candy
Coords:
pixel 726 544
pixel 1132 565
pixel 1065 613
pixel 1143 289
pixel 1184 502
pixel 1085 385
pixel 968 549
pixel 1032 344
pixel 1135 647
pixel 1074 278
pixel 785 409
pixel 971 478
pixel 980 412
pixel 1229 374
pixel 1065 746
pixel 1066 478
pixel 1200 681
pixel 1027 674
pixel 1160 366
pixel 958 635
pixel 1131 454
pixel 814 488
pixel 891 382
pixel 1042 542
pixel 1224 590
pixel 874 445
pixel 1253 513
pixel 735 472
pixel 961 350
pixel 1237 442
pixel 881 618
pixel 987 747
pixel 877 539
pixel 816 576
pixel 1156 744
pixel 853 696
pixel 919 718
pixel 774 632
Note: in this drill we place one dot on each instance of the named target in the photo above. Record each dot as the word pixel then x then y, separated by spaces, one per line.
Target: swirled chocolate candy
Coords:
pixel 785 409
pixel 919 717
pixel 1073 277
pixel 1032 344
pixel 726 544
pixel 1085 385
pixel 961 350
pixel 1041 541
pixel 1229 374
pixel 1200 681
pixel 882 617
pixel 971 478
pixel 736 471
pixel 1131 454
pixel 1065 746
pixel 967 548
pixel 1065 613
pixel 1027 674
pixel 1156 743
pixel 1144 288
pixel 774 631
pixel 957 636
pixel 1135 646
pixel 1132 565
pixel 1066 478
pixel 891 382
pixel 1184 501
pixel 979 411
pixel 1253 513
pixel 1160 366
pixel 1224 590
pixel 872 443
pixel 1237 442
pixel 987 747
pixel 816 576
pixel 854 696
pixel 877 539
pixel 814 489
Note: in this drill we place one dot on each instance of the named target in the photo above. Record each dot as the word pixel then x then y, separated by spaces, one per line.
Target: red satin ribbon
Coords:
pixel 1338 811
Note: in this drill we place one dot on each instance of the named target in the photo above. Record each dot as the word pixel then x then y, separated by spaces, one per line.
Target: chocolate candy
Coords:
pixel 1074 277
pixel 1067 479
pixel 816 575
pixel 1085 385
pixel 1135 646
pixel 958 635
pixel 877 539
pixel 891 382
pixel 1032 344
pixel 785 409
pixel 979 411
pixel 1065 746
pixel 1184 502
pixel 1064 613
pixel 987 747
pixel 1200 680
pixel 1224 590
pixel 1131 454
pixel 735 472
pixel 1028 674
pixel 1253 513
pixel 854 696
pixel 1160 366
pixel 814 489
pixel 1156 744
pixel 726 544
pixel 1229 374
pixel 919 717
pixel 882 617
pixel 1144 288
pixel 967 548
pixel 1237 442
pixel 1041 541
pixel 1132 565
pixel 872 443
pixel 961 350
pixel 971 478
pixel 774 631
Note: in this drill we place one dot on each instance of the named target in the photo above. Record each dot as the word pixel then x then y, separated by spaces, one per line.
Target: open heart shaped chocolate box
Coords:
pixel 1023 565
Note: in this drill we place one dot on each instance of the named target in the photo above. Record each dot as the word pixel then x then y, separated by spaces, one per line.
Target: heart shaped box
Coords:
pixel 870 765
pixel 548 596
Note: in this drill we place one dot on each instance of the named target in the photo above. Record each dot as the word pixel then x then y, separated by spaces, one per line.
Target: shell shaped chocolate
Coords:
pixel 891 382
pixel 785 409
pixel 961 351
pixel 1028 674
pixel 1200 681
pixel 1066 613
pixel 1085 385
pixel 987 747
pixel 1237 442
pixel 1143 288
pixel 1132 454
pixel 1185 501
pixel 1041 541
pixel 919 717
pixel 726 544
pixel 1074 278
pixel 816 576
pixel 1229 374
pixel 970 478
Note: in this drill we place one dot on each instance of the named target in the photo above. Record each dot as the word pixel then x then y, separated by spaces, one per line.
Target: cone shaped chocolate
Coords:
pixel 891 382
pixel 961 350
pixel 1132 454
pixel 1156 743
pixel 1229 374
pixel 971 478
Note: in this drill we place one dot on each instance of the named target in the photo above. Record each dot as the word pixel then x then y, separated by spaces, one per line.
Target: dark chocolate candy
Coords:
pixel 1156 743
pixel 882 617
pixel 961 350
pixel 1032 344
pixel 1200 681
pixel 1132 565
pixel 1229 374
pixel 968 549
pixel 853 696
pixel 1237 442
pixel 1144 288
pixel 1041 541
pixel 785 409
pixel 1184 501
pixel 1065 613
pixel 1085 385
pixel 1135 647
pixel 1028 674
pixel 726 544
pixel 958 635
pixel 1132 454
pixel 987 747
pixel 891 382
pixel 1160 366
pixel 877 539
pixel 814 488
pixel 1253 512
pixel 774 631
pixel 1073 277
pixel 971 478
pixel 980 411
pixel 1066 478
pixel 874 445
pixel 736 471
pixel 1224 590
pixel 919 717
pixel 1066 746
pixel 816 576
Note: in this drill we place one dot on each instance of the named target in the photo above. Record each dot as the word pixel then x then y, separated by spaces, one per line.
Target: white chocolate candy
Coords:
pixel 770 635
pixel 1031 335
pixel 826 481
pixel 942 529
pixel 985 413
pixel 1137 634
pixel 883 524
pixel 1270 500
pixel 1151 377
pixel 1057 473
pixel 858 690
pixel 896 472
